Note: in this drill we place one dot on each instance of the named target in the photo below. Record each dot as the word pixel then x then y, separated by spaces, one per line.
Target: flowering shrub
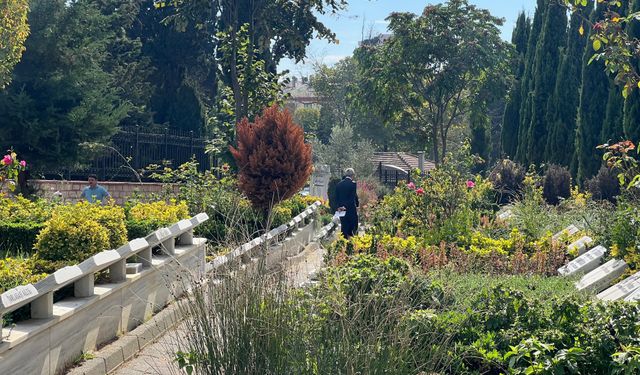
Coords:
pixel 10 167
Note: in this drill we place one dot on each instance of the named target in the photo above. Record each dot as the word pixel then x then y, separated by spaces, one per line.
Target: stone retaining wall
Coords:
pixel 120 191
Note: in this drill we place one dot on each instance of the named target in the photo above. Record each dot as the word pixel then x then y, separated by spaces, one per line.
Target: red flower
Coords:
pixel 420 191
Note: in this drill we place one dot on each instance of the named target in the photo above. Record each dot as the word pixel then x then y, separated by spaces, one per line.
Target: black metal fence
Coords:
pixel 134 148
pixel 390 175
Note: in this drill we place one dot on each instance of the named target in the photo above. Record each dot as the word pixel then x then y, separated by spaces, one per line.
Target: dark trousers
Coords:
pixel 349 225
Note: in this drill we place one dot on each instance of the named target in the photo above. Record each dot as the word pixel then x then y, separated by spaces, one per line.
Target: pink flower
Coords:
pixel 23 164
pixel 420 191
pixel 411 186
pixel 7 160
pixel 470 184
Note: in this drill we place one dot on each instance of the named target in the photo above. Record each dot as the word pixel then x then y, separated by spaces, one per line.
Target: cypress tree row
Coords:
pixel 612 127
pixel 595 87
pixel 528 86
pixel 511 118
pixel 631 121
pixel 563 107
pixel 545 73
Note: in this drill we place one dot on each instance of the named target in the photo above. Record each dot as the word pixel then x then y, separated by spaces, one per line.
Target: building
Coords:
pixel 301 95
pixel 392 167
pixel 375 41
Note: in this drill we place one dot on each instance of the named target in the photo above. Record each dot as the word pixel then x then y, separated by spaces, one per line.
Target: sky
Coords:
pixel 369 15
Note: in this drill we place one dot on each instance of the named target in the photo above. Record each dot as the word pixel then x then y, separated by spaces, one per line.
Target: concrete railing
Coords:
pixel 171 259
pixel 280 242
pixel 58 333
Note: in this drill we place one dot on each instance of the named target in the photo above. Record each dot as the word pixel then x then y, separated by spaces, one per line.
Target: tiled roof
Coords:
pixel 401 160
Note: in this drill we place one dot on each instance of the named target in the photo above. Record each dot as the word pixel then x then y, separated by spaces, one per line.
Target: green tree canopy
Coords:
pixel 427 70
pixel 14 30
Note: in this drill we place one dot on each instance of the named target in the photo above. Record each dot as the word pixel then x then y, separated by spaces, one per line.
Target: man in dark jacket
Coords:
pixel 347 200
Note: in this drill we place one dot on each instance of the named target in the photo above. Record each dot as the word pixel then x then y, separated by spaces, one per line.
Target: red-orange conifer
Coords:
pixel 274 161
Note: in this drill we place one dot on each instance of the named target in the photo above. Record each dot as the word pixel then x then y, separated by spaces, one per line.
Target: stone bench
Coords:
pixel 586 262
pixel 621 289
pixel 603 276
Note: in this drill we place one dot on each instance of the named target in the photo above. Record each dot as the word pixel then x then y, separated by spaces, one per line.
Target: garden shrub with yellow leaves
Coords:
pixel 20 222
pixel 143 218
pixel 76 232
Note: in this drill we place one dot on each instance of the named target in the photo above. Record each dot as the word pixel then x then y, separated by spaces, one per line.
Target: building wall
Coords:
pixel 120 191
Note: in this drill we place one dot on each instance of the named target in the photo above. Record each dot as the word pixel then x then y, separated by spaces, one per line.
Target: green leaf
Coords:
pixel 597 44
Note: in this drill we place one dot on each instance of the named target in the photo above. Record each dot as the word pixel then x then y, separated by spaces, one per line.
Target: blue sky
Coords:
pixel 370 15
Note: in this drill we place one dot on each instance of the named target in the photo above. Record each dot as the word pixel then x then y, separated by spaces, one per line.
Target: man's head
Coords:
pixel 93 180
pixel 349 172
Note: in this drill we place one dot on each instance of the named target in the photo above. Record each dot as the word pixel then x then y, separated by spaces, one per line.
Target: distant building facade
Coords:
pixel 301 95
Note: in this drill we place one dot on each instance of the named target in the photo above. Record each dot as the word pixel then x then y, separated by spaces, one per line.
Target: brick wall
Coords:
pixel 71 190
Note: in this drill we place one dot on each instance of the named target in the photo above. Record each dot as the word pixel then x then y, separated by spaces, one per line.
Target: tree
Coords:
pixel 550 45
pixel 479 124
pixel 511 118
pixel 632 103
pixel 308 119
pixel 273 160
pixel 344 151
pixel 61 94
pixel 528 83
pixel 563 107
pixel 595 88
pixel 266 30
pixel 14 30
pixel 426 70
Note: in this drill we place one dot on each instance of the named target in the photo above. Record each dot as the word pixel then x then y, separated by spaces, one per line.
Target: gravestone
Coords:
pixel 601 277
pixel 105 257
pixel 568 231
pixel 505 215
pixel 320 181
pixel 580 246
pixel 584 263
pixel 621 289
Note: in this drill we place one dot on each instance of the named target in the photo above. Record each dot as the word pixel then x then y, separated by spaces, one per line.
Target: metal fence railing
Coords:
pixel 134 148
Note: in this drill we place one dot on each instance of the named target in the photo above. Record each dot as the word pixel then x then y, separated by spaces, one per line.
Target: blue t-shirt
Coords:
pixel 97 194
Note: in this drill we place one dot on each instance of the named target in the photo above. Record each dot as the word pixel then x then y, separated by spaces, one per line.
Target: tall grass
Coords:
pixel 254 323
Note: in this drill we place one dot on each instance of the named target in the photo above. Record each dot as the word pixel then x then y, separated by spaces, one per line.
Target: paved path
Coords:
pixel 157 358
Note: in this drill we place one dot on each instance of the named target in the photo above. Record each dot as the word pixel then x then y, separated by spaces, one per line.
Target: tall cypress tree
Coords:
pixel 612 127
pixel 631 120
pixel 595 87
pixel 511 119
pixel 563 107
pixel 528 82
pixel 547 61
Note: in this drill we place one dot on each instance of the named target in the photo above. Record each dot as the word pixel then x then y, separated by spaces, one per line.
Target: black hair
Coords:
pixel 92 176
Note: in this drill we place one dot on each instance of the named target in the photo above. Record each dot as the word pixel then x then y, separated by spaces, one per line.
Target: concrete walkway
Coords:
pixel 157 358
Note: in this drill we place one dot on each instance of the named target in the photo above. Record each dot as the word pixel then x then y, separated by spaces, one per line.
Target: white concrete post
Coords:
pixel 84 286
pixel 186 238
pixel 169 246
pixel 118 271
pixel 42 307
pixel 145 257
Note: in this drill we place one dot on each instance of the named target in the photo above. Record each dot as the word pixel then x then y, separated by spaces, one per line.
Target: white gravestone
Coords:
pixel 568 231
pixel 584 263
pixel 601 277
pixel 65 274
pixel 18 294
pixel 581 245
pixel 505 215
pixel 621 289
pixel 320 181
pixel 633 296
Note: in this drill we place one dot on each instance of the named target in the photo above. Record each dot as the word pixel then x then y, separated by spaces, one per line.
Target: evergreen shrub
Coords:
pixel 604 185
pixel 556 184
pixel 507 178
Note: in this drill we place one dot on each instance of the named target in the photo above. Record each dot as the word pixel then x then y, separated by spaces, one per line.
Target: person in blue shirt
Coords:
pixel 94 192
